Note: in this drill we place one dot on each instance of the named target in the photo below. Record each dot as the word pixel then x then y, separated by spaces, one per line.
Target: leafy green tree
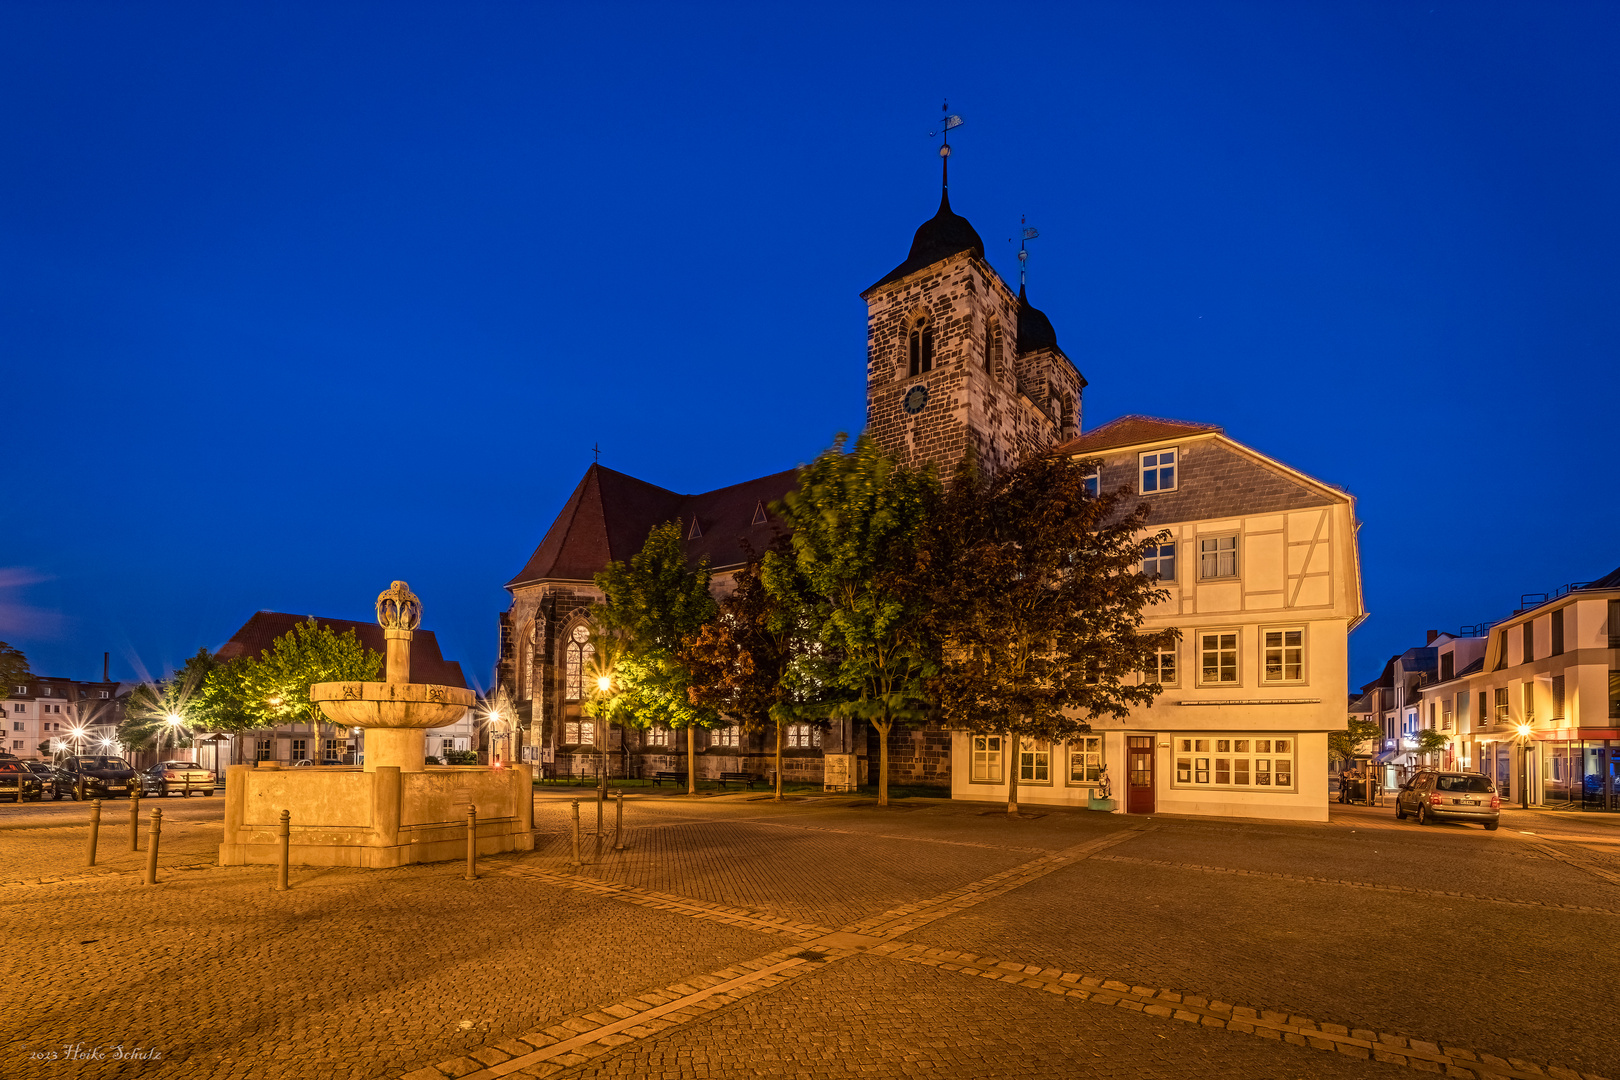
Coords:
pixel 649 607
pixel 1342 745
pixel 739 662
pixel 13 669
pixel 857 520
pixel 1431 742
pixel 1037 599
pixel 274 688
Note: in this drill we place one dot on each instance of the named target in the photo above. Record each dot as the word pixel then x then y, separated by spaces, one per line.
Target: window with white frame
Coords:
pixel 1222 760
pixel 577 656
pixel 262 750
pixel 1034 763
pixel 300 749
pixel 579 732
pixel 334 749
pixel 1218 658
pixel 1085 759
pixel 1162 667
pixel 726 736
pixel 1161 560
pixel 803 736
pixel 1158 471
pixel 1284 655
pixel 1445 714
pixel 17 725
pixel 986 759
pixel 658 735
pixel 1217 557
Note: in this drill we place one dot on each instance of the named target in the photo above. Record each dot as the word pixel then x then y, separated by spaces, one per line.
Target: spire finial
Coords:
pixel 1028 233
pixel 946 123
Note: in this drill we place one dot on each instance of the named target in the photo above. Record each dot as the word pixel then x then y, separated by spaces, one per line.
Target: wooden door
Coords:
pixel 1139 774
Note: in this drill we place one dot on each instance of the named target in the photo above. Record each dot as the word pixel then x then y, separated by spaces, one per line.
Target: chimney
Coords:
pixel 106 667
pixel 1432 635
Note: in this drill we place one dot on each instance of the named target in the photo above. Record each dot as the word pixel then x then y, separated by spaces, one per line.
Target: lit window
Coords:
pixel 577 656
pixel 1218 660
pixel 1229 762
pixel 658 735
pixel 1161 560
pixel 1034 765
pixel 1285 656
pixel 1500 702
pixel 1085 760
pixel 1217 557
pixel 726 736
pixel 579 732
pixel 1161 667
pixel 803 736
pixel 1529 702
pixel 1158 471
pixel 987 759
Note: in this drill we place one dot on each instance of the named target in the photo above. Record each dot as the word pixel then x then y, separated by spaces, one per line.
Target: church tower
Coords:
pixel 955 358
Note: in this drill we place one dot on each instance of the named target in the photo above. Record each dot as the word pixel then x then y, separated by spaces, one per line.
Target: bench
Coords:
pixel 672 777
pixel 739 778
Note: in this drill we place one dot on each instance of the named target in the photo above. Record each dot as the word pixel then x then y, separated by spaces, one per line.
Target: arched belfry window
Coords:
pixel 577 657
pixel 921 343
pixel 992 345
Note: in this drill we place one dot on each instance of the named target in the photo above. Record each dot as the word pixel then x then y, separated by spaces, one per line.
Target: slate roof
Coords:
pixel 1034 328
pixel 1611 580
pixel 609 515
pixel 941 236
pixel 428 665
pixel 1129 431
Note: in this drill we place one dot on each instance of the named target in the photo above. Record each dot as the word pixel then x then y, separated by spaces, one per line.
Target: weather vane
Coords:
pixel 1029 232
pixel 947 122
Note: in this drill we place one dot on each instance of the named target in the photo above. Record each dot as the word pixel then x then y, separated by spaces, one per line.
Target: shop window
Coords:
pixel 1234 762
pixel 986 759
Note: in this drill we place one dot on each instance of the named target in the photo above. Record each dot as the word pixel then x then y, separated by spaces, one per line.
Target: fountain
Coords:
pixel 395 809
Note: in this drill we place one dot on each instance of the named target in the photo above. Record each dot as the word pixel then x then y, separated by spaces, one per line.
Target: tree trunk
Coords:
pixel 883 727
pixel 778 763
pixel 691 759
pixel 1013 763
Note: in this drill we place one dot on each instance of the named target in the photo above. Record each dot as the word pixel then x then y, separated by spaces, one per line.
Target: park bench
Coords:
pixel 739 778
pixel 672 777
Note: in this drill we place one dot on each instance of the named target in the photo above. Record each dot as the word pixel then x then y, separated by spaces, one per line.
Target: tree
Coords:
pixel 13 669
pixel 853 578
pixel 739 662
pixel 1037 599
pixel 274 687
pixel 1432 742
pixel 649 607
pixel 1342 745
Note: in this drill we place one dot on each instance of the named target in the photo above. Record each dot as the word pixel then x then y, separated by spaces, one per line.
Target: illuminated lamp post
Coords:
pixel 1524 766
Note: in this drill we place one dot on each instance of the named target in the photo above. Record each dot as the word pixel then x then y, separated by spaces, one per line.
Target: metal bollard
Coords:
pixel 95 827
pixel 618 822
pixel 134 819
pixel 152 833
pixel 576 833
pixel 472 843
pixel 284 842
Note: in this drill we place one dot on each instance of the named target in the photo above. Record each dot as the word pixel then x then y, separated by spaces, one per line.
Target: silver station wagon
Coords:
pixel 1450 796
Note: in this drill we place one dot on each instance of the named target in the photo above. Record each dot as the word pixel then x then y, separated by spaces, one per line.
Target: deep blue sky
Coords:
pixel 295 300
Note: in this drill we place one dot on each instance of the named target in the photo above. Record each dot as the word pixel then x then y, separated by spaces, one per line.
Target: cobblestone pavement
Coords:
pixel 825 937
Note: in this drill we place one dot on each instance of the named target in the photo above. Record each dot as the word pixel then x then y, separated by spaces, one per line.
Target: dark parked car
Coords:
pixel 15 775
pixel 1450 796
pixel 54 781
pixel 100 777
pixel 178 777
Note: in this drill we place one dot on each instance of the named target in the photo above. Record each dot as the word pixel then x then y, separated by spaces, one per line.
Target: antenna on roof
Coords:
pixel 1029 232
pixel 947 122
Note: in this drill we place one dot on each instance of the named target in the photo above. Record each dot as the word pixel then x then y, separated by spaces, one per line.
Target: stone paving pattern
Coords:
pixel 1103 930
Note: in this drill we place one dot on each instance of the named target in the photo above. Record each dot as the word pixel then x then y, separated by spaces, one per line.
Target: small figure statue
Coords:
pixel 1105 786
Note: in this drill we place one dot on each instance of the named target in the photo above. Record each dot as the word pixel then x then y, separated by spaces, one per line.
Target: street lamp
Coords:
pixel 1524 766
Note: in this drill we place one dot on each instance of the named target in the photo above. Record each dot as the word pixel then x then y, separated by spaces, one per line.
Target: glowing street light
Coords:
pixel 1524 731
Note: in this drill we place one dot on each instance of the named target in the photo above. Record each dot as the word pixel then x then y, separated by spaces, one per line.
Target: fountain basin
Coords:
pixel 391 704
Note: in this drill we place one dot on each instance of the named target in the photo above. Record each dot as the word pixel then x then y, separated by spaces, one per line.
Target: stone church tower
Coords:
pixel 955 358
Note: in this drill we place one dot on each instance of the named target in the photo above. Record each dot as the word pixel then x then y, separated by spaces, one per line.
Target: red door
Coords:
pixel 1139 774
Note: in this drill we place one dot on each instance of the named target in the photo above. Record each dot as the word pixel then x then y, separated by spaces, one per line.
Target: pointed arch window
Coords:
pixel 992 346
pixel 921 344
pixel 576 657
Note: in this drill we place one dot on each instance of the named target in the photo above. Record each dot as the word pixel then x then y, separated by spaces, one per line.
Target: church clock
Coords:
pixel 915 399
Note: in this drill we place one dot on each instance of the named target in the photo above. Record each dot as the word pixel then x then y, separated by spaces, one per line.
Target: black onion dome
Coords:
pixel 941 236
pixel 1034 328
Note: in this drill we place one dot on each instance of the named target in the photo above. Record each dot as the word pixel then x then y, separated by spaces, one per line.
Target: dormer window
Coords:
pixel 695 531
pixel 1158 471
pixel 759 513
pixel 921 343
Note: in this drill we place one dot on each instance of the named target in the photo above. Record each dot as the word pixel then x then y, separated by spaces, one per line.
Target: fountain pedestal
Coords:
pixel 395 810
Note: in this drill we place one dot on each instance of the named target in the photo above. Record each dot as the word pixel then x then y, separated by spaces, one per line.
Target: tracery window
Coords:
pixel 921 341
pixel 576 658
pixel 803 736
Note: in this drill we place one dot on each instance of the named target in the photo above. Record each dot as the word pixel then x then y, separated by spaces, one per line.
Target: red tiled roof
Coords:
pixel 428 665
pixel 1129 431
pixel 609 515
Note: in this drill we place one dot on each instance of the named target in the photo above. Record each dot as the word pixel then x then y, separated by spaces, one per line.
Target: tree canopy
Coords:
pixel 13 669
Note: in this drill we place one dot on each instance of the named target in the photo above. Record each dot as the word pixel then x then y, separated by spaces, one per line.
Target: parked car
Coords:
pixel 54 781
pixel 183 777
pixel 15 778
pixel 96 777
pixel 1432 795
